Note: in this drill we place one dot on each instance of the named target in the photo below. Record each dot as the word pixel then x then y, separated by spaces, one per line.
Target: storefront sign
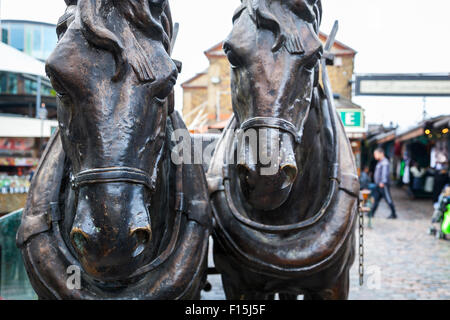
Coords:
pixel 352 118
pixel 18 162
pixel 16 144
pixel 409 85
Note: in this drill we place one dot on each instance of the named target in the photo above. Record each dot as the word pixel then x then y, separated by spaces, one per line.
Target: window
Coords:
pixel 30 87
pixel 28 39
pixel 5 33
pixel 17 37
pixel 50 40
pixel 3 82
pixel 33 39
pixel 37 43
pixel 12 83
pixel 8 83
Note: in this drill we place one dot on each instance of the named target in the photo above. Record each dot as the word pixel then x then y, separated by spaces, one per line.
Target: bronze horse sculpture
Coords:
pixel 289 231
pixel 107 199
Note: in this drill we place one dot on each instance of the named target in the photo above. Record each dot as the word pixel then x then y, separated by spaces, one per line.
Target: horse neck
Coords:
pixel 313 159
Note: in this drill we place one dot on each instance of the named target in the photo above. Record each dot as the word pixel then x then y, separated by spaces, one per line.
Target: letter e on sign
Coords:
pixel 349 119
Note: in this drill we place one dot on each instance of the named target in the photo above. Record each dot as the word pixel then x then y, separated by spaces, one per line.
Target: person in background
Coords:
pixel 382 180
pixel 32 172
pixel 364 179
pixel 417 174
pixel 441 177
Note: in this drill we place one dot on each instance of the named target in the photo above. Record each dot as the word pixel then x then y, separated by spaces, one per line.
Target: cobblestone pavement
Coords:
pixel 402 262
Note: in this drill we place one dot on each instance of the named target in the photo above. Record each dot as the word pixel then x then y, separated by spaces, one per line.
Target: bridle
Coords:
pixel 113 174
pixel 274 123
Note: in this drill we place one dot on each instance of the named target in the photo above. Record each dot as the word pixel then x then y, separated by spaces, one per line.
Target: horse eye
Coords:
pixel 61 30
pixel 65 21
pixel 310 65
pixel 233 59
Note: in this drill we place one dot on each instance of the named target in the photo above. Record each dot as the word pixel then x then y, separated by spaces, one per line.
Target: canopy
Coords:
pixel 13 60
pixel 22 127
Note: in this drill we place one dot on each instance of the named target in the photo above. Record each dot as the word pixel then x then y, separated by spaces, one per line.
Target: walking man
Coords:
pixel 382 180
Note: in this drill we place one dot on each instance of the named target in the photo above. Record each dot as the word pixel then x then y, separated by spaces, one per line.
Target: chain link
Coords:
pixel 361 246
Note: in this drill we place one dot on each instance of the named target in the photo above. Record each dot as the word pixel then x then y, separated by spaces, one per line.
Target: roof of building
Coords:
pixel 29 22
pixel 419 129
pixel 344 103
pixel 13 60
pixel 13 126
pixel 196 81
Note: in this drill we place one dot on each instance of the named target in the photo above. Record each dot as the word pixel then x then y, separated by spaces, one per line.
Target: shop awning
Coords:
pixel 21 127
pixel 13 60
pixel 411 134
pixel 442 123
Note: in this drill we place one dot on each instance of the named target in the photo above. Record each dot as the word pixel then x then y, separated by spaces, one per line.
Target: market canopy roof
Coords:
pixel 13 60
pixel 22 127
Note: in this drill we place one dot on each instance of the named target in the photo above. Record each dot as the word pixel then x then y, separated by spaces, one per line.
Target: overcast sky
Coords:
pixel 391 36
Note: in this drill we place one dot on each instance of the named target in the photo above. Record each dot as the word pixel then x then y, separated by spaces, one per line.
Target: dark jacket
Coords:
pixel 382 172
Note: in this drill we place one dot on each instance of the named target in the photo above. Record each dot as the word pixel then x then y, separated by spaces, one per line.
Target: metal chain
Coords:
pixel 361 246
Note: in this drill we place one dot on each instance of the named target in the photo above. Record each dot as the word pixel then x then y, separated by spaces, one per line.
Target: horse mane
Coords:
pixel 151 17
pixel 271 15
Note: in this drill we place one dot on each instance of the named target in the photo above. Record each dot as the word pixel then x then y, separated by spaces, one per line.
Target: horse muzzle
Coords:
pixel 111 233
pixel 267 175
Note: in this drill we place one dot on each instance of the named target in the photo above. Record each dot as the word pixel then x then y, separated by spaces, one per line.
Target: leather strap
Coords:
pixel 271 122
pixel 113 174
pixel 32 225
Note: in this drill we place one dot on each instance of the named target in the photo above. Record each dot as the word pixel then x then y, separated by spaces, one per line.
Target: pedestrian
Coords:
pixel 382 180
pixel 441 177
pixel 364 179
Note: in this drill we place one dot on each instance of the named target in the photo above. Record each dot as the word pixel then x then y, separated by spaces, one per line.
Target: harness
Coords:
pixel 113 174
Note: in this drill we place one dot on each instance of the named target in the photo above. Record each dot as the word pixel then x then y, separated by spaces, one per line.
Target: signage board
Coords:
pixel 406 85
pixel 352 118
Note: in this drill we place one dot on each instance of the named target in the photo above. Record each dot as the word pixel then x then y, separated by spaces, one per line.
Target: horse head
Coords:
pixel 114 77
pixel 274 52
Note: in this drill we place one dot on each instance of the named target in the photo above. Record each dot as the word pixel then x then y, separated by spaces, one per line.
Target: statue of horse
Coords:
pixel 286 225
pixel 107 204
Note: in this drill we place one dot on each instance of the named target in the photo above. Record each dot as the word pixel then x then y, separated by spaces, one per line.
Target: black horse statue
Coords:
pixel 286 225
pixel 106 199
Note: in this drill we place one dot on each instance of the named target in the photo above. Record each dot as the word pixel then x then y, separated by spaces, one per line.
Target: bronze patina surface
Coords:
pixel 292 231
pixel 106 198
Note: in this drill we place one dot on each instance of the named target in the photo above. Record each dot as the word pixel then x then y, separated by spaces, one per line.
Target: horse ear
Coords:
pixel 71 2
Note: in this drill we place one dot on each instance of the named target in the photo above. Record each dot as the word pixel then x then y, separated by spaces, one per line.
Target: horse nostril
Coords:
pixel 79 240
pixel 290 172
pixel 142 237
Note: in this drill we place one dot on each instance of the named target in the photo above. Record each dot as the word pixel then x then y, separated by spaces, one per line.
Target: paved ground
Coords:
pixel 402 261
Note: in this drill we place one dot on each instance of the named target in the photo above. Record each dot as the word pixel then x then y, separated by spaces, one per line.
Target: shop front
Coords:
pixel 353 119
pixel 424 157
pixel 18 158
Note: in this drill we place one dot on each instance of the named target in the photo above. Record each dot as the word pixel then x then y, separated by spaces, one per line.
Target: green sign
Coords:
pixel 352 118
